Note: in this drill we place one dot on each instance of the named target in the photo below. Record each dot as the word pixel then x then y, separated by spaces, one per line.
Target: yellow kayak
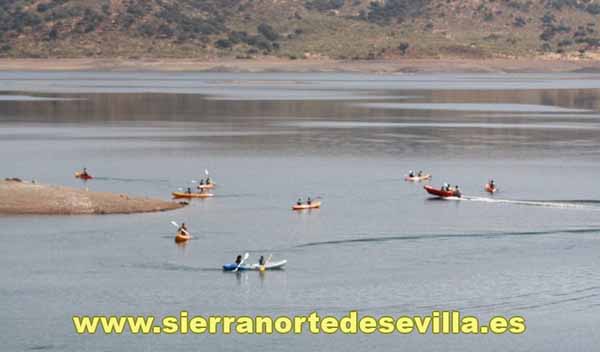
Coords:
pixel 312 205
pixel 191 195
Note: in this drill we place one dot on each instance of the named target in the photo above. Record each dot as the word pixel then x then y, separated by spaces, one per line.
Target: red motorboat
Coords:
pixel 441 193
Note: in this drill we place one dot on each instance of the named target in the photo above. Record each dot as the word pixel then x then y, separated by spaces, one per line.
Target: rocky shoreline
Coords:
pixel 399 66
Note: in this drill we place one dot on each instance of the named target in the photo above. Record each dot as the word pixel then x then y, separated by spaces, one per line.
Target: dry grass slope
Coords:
pixel 298 29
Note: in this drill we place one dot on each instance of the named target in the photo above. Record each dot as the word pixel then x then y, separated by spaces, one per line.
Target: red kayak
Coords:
pixel 490 189
pixel 440 193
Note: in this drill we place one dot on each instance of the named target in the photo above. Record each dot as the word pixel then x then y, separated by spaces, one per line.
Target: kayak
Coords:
pixel 269 266
pixel 418 178
pixel 82 176
pixel 313 205
pixel 181 237
pixel 210 186
pixel 440 193
pixel 191 195
pixel 490 189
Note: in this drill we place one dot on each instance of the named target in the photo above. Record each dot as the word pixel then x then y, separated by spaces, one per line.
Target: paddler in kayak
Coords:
pixel 84 173
pixel 183 229
pixel 261 261
pixel 308 201
pixel 202 182
pixel 189 190
pixel 411 174
pixel 299 202
pixel 492 185
pixel 420 174
pixel 238 260
pixel 208 180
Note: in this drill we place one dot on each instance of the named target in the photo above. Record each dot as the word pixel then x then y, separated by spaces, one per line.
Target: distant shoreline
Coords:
pixel 496 65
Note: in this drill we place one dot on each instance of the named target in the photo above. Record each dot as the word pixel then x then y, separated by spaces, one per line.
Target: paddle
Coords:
pixel 177 226
pixel 246 255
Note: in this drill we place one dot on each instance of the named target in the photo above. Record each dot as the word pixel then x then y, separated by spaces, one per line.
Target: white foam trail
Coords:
pixel 564 205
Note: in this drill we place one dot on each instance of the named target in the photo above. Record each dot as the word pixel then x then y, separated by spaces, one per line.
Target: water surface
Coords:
pixel 379 244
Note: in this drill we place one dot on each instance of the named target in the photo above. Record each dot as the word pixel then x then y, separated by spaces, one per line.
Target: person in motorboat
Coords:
pixel 457 192
pixel 299 202
pixel 308 201
pixel 411 174
pixel 238 260
pixel 445 187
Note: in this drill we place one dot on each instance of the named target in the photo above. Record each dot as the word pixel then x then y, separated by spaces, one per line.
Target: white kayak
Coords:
pixel 269 266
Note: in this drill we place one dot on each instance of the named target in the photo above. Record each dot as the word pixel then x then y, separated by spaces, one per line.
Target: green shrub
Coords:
pixel 223 44
pixel 519 22
pixel 397 10
pixel 403 47
pixel 323 5
pixel 268 32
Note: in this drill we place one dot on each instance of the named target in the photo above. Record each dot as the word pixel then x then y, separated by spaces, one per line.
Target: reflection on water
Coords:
pixel 439 122
pixel 469 107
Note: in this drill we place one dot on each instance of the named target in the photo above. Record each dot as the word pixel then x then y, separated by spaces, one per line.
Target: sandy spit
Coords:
pixel 21 198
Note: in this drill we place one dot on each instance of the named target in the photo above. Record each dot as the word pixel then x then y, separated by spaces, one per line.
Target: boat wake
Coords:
pixel 168 266
pixel 449 236
pixel 561 204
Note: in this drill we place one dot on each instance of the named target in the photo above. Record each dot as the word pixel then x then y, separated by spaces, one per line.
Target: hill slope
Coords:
pixel 337 29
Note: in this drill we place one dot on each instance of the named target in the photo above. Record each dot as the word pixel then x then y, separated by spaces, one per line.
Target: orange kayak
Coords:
pixel 210 186
pixel 191 195
pixel 417 178
pixel 313 205
pixel 181 237
pixel 490 189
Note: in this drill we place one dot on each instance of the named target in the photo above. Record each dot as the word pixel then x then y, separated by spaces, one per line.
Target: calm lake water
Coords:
pixel 379 245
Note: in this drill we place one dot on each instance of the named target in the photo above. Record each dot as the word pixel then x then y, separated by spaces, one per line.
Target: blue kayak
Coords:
pixel 232 266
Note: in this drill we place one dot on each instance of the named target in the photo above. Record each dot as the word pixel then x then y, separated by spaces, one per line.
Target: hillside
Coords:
pixel 298 29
